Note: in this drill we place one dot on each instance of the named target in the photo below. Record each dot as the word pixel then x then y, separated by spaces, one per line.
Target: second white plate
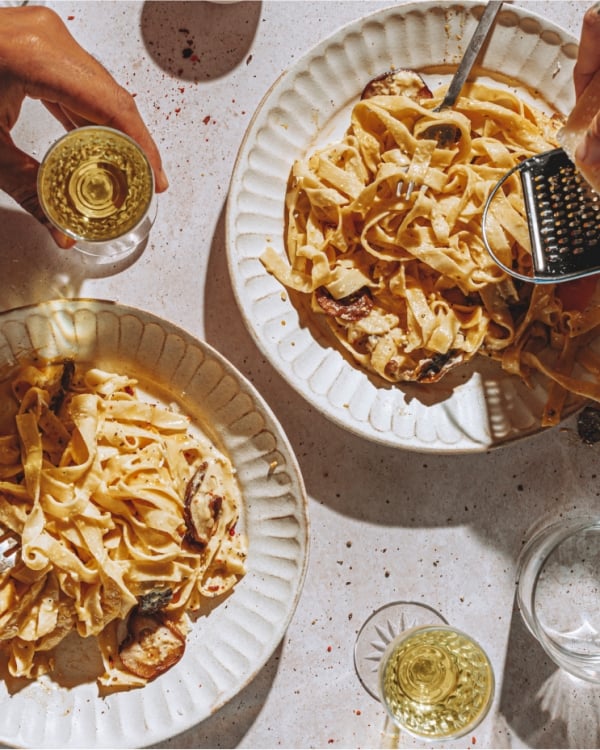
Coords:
pixel 227 647
pixel 309 106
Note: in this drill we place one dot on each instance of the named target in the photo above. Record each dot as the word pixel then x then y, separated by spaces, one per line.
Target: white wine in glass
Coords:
pixel 435 681
pixel 96 185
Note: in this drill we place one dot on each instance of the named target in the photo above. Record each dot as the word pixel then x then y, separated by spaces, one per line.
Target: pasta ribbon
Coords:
pixel 94 482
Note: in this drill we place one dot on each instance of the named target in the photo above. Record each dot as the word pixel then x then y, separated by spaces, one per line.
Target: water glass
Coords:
pixel 558 593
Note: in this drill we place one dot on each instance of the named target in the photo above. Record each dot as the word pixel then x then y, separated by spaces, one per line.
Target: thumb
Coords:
pixel 18 178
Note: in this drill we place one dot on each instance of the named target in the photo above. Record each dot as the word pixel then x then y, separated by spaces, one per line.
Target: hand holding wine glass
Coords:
pixel 40 59
pixel 95 185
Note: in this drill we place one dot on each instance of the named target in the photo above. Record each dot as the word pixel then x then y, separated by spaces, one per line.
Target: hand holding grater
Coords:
pixel 563 213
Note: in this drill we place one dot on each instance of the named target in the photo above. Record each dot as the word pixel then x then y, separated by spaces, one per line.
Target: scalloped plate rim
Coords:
pixel 337 415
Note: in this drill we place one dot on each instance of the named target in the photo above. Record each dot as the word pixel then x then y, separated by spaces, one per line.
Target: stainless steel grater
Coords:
pixel 563 213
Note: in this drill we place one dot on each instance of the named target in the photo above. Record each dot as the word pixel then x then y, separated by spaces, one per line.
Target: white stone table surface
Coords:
pixel 386 524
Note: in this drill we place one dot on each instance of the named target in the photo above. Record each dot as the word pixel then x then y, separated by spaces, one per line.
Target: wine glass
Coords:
pixel 96 185
pixel 435 682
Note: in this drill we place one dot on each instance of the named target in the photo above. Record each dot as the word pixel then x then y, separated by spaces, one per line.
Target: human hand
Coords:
pixel 588 55
pixel 40 59
pixel 585 119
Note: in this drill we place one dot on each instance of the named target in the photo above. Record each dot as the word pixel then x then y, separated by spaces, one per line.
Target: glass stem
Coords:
pixel 390 735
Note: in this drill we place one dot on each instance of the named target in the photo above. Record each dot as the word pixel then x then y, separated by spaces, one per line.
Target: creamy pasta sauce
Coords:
pixel 105 523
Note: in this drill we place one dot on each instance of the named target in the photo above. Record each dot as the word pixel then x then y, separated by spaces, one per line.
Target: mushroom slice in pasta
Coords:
pixel 430 368
pixel 352 307
pixel 434 368
pixel 202 507
pixel 398 81
pixel 68 371
pixel 152 646
pixel 154 600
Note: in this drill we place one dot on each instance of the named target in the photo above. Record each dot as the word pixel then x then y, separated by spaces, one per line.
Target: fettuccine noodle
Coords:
pixel 404 282
pixel 93 484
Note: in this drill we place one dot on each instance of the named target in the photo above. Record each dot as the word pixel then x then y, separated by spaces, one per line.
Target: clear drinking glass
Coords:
pixel 558 593
pixel 435 681
pixel 96 185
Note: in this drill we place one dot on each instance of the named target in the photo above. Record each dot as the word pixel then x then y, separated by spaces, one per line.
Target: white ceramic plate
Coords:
pixel 309 106
pixel 229 646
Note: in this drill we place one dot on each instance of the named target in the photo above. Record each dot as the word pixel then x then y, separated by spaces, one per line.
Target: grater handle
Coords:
pixel 537 249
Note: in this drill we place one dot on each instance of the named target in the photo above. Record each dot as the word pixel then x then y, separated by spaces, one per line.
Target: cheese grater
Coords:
pixel 563 214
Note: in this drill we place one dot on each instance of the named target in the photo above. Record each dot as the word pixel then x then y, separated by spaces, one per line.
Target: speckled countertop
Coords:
pixel 386 524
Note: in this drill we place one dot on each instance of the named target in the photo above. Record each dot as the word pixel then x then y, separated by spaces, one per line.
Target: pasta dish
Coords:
pixel 384 243
pixel 117 519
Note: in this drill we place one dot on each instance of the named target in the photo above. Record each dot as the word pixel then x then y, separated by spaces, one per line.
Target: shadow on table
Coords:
pixel 543 705
pixel 232 722
pixel 197 41
pixel 34 269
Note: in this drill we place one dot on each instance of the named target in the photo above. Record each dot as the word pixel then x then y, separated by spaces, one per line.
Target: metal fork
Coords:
pixel 410 188
pixel 406 187
pixel 445 133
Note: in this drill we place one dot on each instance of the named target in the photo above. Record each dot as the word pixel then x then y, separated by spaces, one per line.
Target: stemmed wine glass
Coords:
pixel 435 681
pixel 96 185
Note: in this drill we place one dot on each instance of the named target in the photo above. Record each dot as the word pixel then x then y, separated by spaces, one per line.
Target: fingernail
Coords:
pixel 61 239
pixel 588 150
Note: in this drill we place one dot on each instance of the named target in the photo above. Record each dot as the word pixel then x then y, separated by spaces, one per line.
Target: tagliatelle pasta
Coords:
pixel 120 519
pixel 402 278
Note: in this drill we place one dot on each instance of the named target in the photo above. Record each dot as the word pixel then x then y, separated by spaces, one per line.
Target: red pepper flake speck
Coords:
pixel 70 18
pixel 329 649
pixel 206 120
pixel 473 740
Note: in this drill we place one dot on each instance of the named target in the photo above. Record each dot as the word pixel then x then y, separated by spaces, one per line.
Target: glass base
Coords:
pixel 120 248
pixel 382 627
